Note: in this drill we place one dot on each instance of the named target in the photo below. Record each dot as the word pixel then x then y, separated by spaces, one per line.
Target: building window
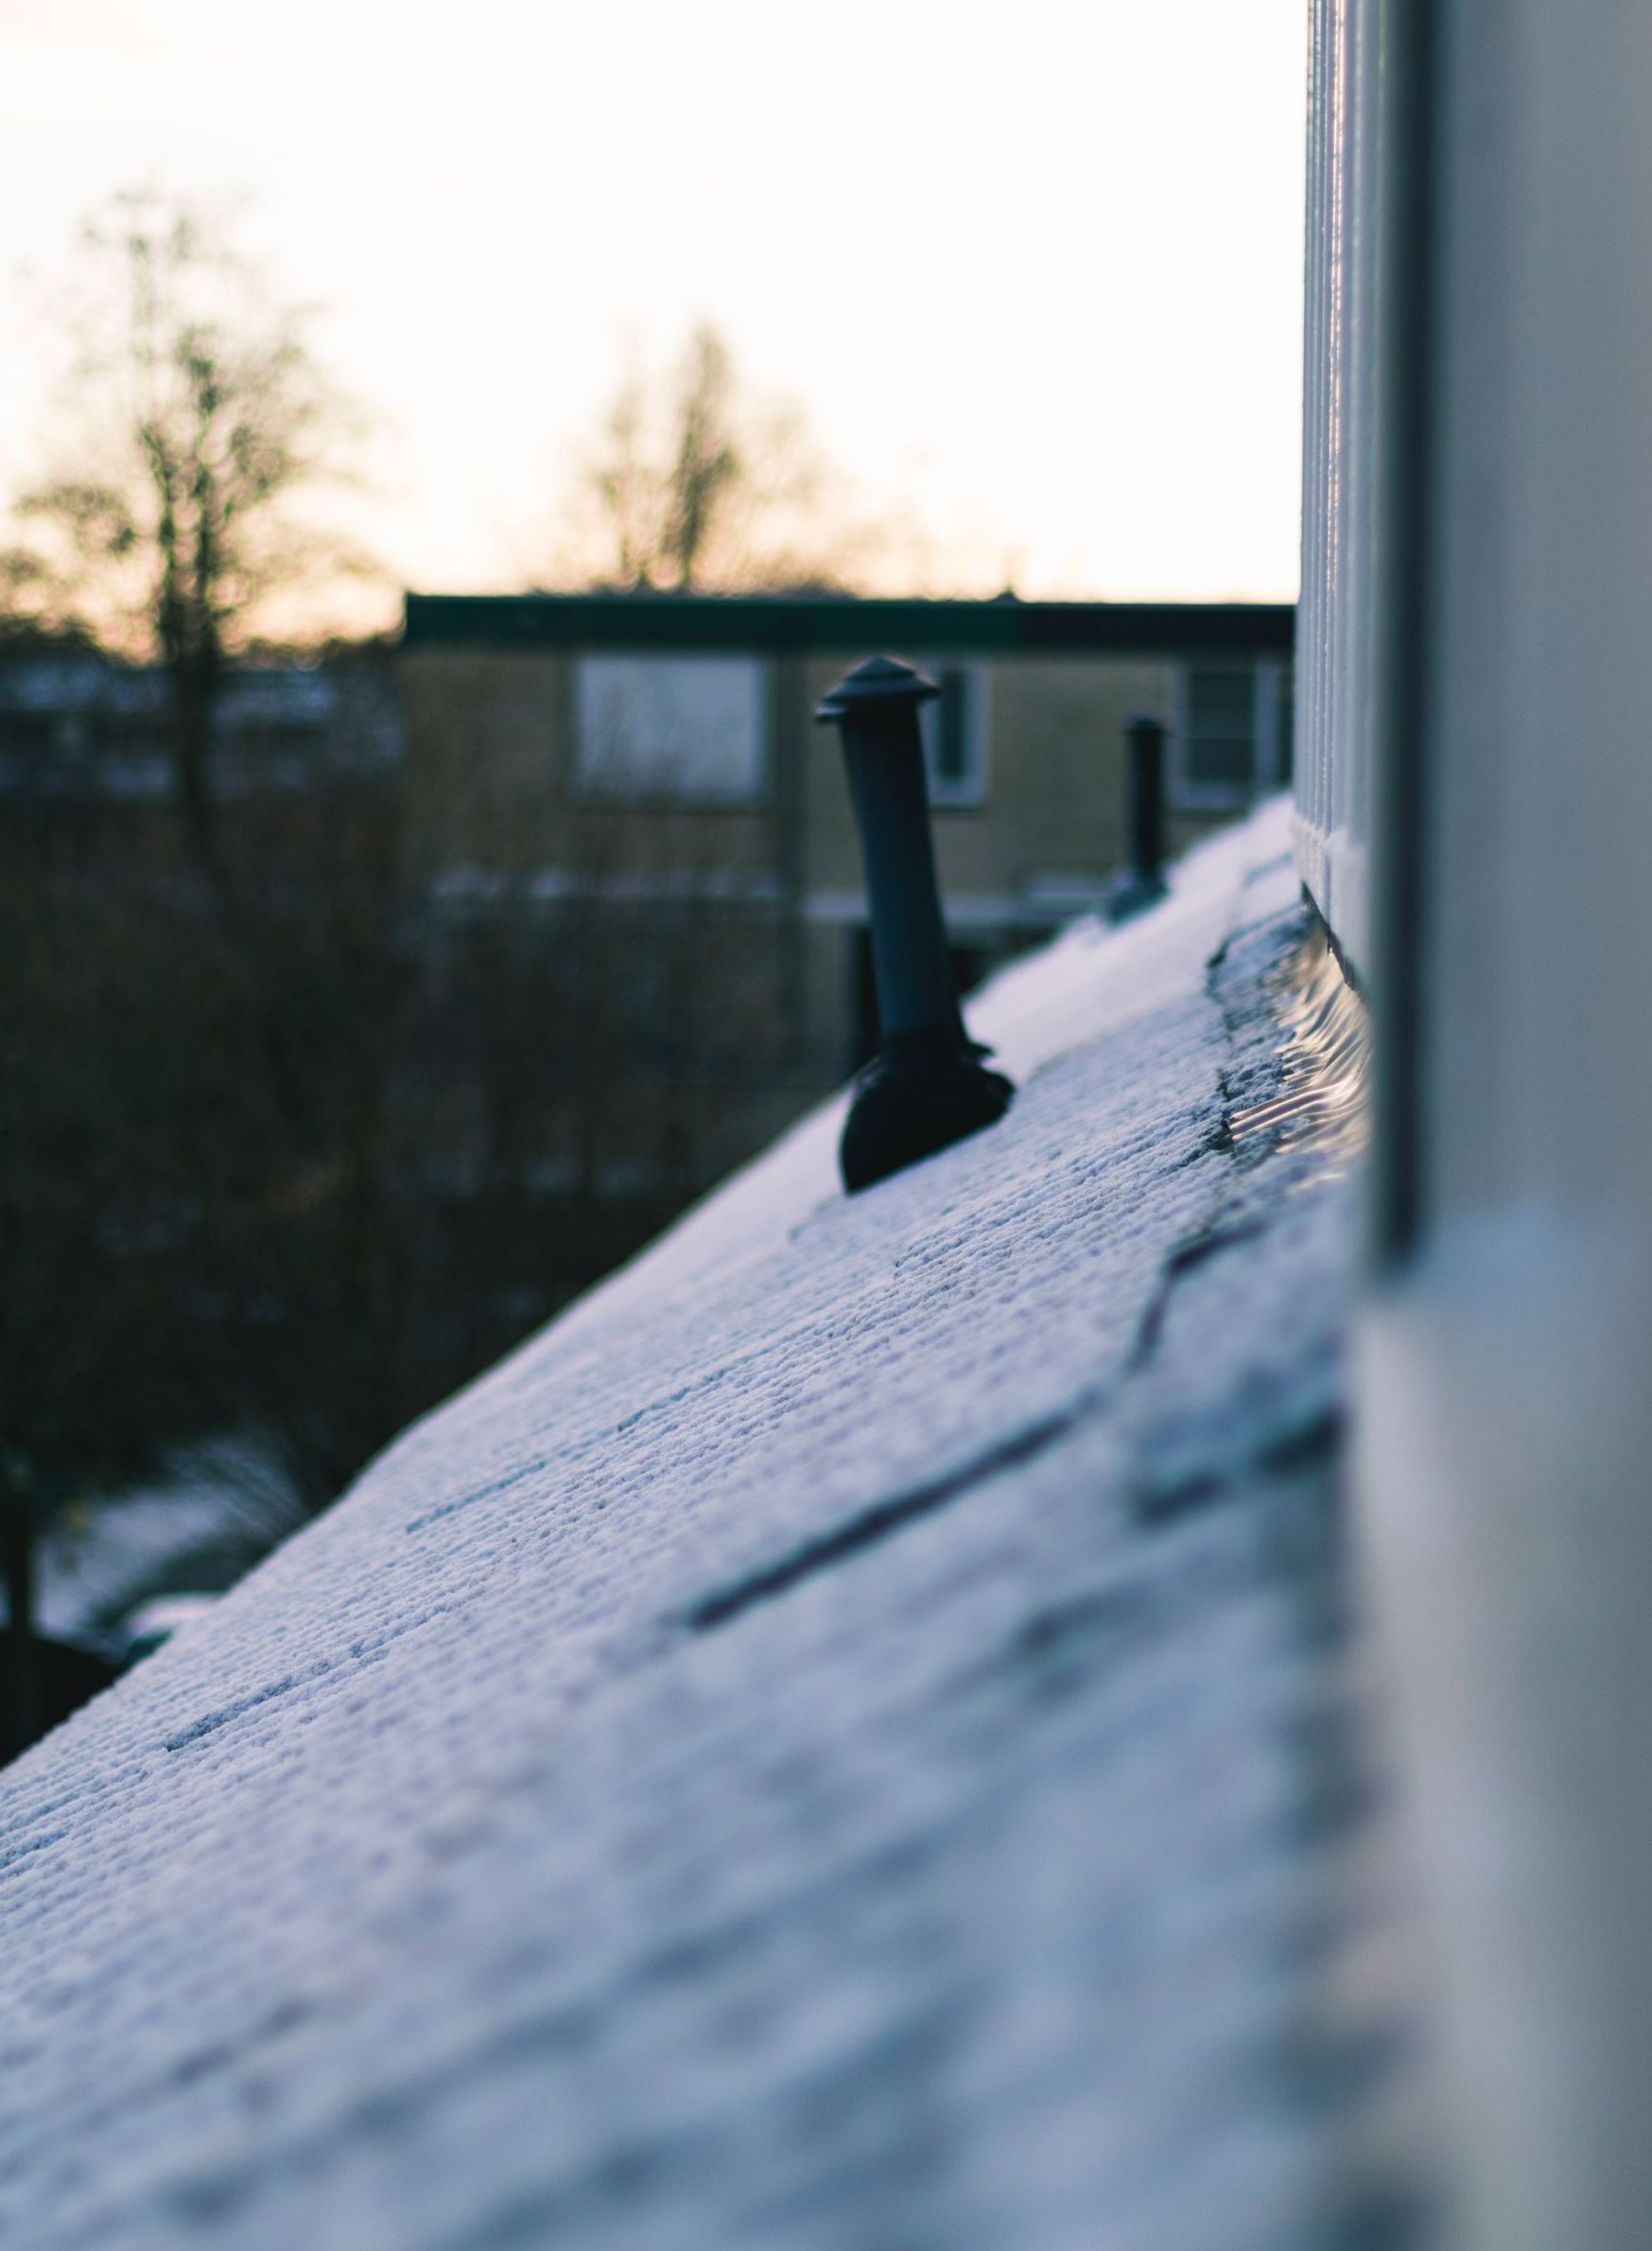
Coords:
pixel 1232 736
pixel 954 734
pixel 671 730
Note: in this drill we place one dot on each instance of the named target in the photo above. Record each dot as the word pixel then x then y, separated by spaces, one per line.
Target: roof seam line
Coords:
pixel 887 1517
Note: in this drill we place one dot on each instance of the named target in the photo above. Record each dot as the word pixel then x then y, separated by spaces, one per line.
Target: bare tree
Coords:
pixel 694 481
pixel 195 421
pixel 706 464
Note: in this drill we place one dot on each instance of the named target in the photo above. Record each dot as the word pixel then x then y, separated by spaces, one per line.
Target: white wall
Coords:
pixel 1505 1401
pixel 1340 416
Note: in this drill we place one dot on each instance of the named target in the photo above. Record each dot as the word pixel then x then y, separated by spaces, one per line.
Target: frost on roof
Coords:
pixel 829 1745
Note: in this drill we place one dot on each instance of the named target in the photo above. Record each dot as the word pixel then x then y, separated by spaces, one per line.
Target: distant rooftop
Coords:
pixel 836 622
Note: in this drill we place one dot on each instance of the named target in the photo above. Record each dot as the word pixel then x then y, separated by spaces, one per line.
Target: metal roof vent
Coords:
pixel 928 1086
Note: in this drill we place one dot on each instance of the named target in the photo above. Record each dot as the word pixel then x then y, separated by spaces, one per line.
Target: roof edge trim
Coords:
pixel 805 624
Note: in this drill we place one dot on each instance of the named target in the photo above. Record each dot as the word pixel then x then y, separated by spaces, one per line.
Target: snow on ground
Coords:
pixel 834 1743
pixel 218 1506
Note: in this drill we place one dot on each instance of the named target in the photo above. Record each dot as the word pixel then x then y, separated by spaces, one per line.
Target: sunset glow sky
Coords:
pixel 1033 272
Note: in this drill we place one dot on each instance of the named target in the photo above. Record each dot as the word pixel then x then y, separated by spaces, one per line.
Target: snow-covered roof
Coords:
pixel 826 1745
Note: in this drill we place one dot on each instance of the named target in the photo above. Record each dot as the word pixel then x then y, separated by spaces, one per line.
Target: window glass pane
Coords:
pixel 687 730
pixel 1287 727
pixel 952 724
pixel 1219 753
pixel 1220 763
pixel 1220 704
pixel 953 735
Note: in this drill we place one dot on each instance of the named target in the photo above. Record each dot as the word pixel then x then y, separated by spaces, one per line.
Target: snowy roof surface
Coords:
pixel 826 1746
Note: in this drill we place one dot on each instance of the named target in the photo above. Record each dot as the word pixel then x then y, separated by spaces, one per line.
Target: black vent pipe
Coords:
pixel 1142 882
pixel 926 1086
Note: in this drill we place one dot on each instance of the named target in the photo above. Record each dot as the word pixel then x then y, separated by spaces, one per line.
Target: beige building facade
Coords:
pixel 652 763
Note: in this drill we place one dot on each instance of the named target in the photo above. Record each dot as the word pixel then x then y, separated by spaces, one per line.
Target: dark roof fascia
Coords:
pixel 776 623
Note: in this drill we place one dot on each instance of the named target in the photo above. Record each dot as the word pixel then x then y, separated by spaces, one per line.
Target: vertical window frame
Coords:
pixel 1269 765
pixel 970 792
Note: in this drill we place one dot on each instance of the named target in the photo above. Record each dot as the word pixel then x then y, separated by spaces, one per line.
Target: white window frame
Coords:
pixel 1268 767
pixel 971 788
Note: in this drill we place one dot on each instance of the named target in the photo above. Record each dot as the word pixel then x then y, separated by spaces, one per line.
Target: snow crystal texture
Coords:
pixel 825 1746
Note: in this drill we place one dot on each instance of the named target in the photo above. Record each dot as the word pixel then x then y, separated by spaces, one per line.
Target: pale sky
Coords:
pixel 1034 268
